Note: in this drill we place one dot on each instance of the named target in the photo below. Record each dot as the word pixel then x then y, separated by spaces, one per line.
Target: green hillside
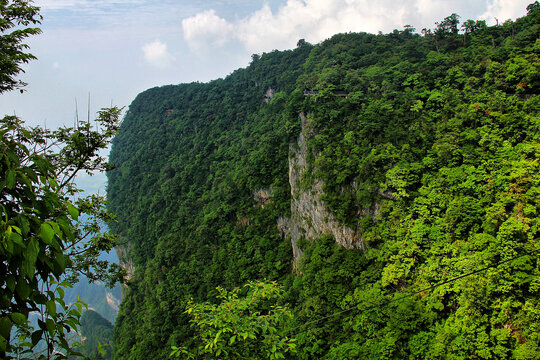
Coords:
pixel 97 333
pixel 387 163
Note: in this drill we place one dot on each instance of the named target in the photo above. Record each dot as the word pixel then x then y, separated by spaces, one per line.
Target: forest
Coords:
pixel 424 145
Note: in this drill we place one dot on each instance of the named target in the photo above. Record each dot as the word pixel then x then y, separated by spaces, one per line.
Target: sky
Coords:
pixel 111 50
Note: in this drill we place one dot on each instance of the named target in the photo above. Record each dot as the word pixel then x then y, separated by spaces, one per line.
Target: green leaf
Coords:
pixel 46 233
pixel 100 349
pixel 18 318
pixel 66 227
pixel 53 183
pixel 5 326
pixel 3 344
pixel 41 164
pixel 60 292
pixel 22 289
pixel 73 212
pixel 17 239
pixel 60 261
pixel 36 337
pixel 64 343
pixel 51 307
pixel 8 245
pixel 75 313
pixel 30 257
pixel 40 298
pixel 25 224
pixel 10 282
pixel 10 179
pixel 51 326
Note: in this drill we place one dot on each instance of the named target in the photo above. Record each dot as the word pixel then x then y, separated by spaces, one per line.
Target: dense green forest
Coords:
pixel 97 333
pixel 427 147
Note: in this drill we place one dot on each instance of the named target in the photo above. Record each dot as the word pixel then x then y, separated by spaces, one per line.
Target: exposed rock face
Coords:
pixel 263 197
pixel 113 302
pixel 309 216
pixel 269 94
pixel 125 261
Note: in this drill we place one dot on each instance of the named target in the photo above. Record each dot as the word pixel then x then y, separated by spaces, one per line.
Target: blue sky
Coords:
pixel 114 49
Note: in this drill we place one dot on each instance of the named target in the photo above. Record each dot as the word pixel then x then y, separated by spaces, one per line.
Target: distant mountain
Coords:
pixel 96 332
pixel 97 296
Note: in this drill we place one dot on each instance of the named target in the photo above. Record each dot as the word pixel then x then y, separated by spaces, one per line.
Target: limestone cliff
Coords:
pixel 122 251
pixel 310 217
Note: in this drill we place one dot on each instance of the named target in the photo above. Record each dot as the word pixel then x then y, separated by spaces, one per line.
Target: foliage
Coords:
pixel 246 327
pixel 97 333
pixel 97 296
pixel 16 15
pixel 199 224
pixel 431 158
pixel 44 241
pixel 42 236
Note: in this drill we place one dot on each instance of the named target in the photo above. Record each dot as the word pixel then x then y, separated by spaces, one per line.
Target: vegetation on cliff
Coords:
pixel 432 157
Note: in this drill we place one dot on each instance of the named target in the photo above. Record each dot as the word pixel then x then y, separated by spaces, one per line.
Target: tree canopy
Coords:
pixel 430 158
pixel 16 16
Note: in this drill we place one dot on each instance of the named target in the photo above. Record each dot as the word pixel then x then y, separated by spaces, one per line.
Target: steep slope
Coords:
pixel 410 160
pixel 190 159
pixel 96 331
pixel 433 160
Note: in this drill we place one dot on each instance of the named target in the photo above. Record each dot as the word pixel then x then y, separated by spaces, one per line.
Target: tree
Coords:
pixel 532 7
pixel 446 32
pixel 448 26
pixel 42 232
pixel 471 26
pixel 241 327
pixel 15 15
pixel 43 237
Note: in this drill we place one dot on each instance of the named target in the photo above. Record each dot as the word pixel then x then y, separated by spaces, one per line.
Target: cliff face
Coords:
pixel 310 217
pixel 126 262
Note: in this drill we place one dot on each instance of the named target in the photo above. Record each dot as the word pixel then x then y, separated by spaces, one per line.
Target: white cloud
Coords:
pixel 206 28
pixel 316 20
pixel 157 55
pixel 503 10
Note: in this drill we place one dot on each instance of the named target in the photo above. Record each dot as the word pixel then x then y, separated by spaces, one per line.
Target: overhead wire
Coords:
pixel 372 302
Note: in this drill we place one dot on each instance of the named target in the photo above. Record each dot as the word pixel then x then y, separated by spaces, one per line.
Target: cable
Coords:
pixel 289 333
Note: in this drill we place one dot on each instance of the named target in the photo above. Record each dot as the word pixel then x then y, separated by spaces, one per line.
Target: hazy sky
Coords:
pixel 114 49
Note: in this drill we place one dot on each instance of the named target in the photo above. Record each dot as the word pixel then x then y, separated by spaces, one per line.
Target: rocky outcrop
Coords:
pixel 122 251
pixel 310 217
pixel 263 197
pixel 112 301
pixel 268 95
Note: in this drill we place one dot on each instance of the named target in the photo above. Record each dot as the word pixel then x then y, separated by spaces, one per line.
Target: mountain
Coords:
pixel 96 332
pixel 389 183
pixel 97 296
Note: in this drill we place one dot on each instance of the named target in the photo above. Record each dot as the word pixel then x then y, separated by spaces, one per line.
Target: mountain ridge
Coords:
pixel 430 161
